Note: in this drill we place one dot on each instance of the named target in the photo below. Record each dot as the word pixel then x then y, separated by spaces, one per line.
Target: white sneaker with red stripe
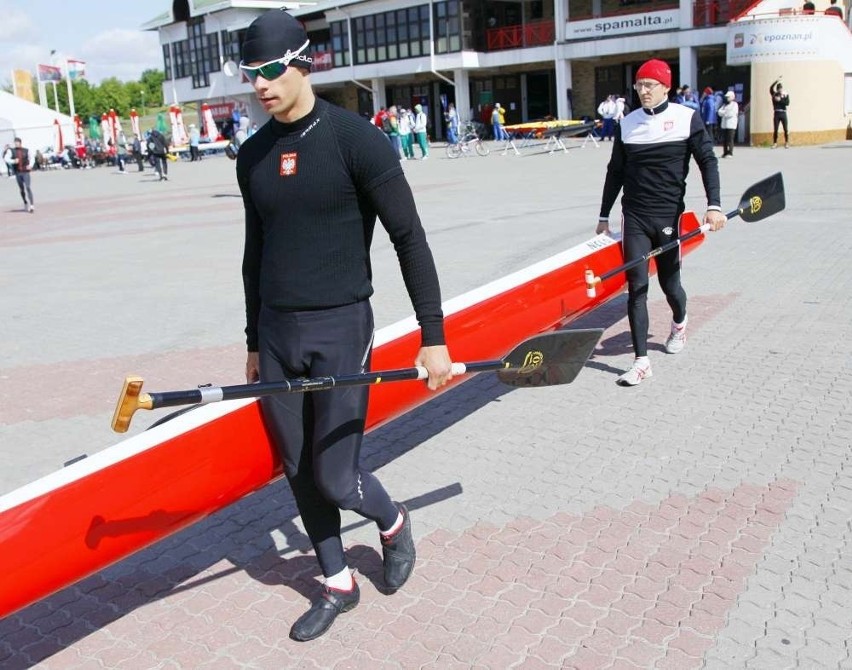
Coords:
pixel 677 338
pixel 640 371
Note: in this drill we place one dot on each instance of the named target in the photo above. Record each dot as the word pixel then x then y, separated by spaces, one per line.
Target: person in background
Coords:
pixel 136 147
pixel 404 123
pixel 419 130
pixel 396 141
pixel 650 162
pixel 8 155
pixel 729 114
pixel 780 101
pixel 314 180
pixel 194 142
pixel 20 163
pixel 808 7
pixel 158 147
pixel 452 124
pixel 708 112
pixel 242 131
pixel 121 153
pixel 497 124
pixel 607 110
pixel 621 108
pixel 688 98
pixel 834 10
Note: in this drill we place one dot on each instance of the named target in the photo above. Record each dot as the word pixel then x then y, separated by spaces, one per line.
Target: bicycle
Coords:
pixel 468 143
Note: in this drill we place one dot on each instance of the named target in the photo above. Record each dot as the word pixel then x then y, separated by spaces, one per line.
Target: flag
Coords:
pixel 23 84
pixel 106 128
pixel 60 145
pixel 49 73
pixel 208 123
pixel 134 123
pixel 76 69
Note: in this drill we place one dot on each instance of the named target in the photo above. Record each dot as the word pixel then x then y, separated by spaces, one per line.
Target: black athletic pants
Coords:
pixel 318 434
pixel 779 119
pixel 640 234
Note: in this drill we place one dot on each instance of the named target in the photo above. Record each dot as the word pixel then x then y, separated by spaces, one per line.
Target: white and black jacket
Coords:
pixel 650 160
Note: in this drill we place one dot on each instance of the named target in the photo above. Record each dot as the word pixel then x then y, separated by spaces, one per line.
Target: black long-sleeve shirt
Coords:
pixel 650 160
pixel 779 100
pixel 312 191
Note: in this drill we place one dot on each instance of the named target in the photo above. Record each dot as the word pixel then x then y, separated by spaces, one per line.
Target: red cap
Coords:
pixel 657 70
pixel 708 90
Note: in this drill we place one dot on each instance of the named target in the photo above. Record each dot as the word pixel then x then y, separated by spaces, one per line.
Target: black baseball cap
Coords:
pixel 272 35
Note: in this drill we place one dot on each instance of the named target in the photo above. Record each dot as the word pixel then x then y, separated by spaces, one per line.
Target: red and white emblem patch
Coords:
pixel 288 165
pixel 668 125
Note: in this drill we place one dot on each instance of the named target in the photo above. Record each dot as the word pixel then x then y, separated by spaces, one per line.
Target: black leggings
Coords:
pixel 780 119
pixel 318 434
pixel 728 141
pixel 641 233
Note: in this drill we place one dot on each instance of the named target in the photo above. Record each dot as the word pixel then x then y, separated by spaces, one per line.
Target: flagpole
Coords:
pixel 42 92
pixel 55 97
pixel 70 89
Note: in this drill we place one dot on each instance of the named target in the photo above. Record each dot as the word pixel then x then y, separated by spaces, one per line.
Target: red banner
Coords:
pixel 222 110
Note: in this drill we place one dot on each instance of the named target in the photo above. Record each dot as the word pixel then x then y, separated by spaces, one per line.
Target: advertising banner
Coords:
pixel 770 39
pixel 624 24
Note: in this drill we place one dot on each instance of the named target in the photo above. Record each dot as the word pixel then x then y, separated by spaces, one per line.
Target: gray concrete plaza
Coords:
pixel 700 520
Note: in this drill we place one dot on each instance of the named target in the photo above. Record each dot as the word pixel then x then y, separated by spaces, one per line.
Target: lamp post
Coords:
pixel 142 92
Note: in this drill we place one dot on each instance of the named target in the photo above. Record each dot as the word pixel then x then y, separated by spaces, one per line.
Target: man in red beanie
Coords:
pixel 650 162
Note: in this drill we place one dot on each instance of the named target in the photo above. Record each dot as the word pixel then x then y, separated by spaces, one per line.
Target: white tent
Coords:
pixel 34 124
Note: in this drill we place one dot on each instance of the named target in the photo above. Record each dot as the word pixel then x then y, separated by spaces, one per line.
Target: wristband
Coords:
pixel 714 208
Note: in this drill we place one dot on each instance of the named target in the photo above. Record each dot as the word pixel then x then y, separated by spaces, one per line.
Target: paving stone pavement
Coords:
pixel 700 520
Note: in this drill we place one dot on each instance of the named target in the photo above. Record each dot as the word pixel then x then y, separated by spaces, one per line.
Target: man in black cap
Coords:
pixel 314 179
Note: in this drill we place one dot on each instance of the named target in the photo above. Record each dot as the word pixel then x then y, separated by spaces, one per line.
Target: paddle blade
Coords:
pixel 549 359
pixel 763 199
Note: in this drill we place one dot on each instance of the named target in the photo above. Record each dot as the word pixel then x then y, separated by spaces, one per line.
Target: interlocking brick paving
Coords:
pixel 96 383
pixel 645 586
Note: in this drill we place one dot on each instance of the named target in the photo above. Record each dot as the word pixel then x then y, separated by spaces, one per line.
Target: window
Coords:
pixel 203 53
pixel 447 27
pixel 403 33
pixel 167 60
pixel 340 43
pixel 180 53
pixel 232 43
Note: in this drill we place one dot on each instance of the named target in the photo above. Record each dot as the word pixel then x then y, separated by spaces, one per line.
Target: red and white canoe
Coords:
pixel 74 522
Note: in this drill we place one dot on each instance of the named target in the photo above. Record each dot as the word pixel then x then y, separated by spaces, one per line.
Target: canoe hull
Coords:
pixel 95 512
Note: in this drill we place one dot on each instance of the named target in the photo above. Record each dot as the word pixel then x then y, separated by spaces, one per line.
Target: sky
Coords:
pixel 103 33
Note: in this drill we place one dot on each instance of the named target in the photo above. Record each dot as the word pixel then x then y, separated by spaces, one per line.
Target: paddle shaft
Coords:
pixel 668 246
pixel 208 394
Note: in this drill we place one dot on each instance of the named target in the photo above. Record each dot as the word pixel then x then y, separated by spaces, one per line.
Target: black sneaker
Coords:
pixel 317 620
pixel 398 553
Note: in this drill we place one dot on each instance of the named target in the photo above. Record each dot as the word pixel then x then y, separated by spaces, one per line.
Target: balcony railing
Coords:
pixel 536 34
pixel 706 13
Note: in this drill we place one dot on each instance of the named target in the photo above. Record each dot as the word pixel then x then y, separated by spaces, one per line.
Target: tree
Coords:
pixel 152 81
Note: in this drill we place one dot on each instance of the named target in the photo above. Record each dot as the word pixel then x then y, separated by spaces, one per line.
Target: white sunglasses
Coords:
pixel 275 68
